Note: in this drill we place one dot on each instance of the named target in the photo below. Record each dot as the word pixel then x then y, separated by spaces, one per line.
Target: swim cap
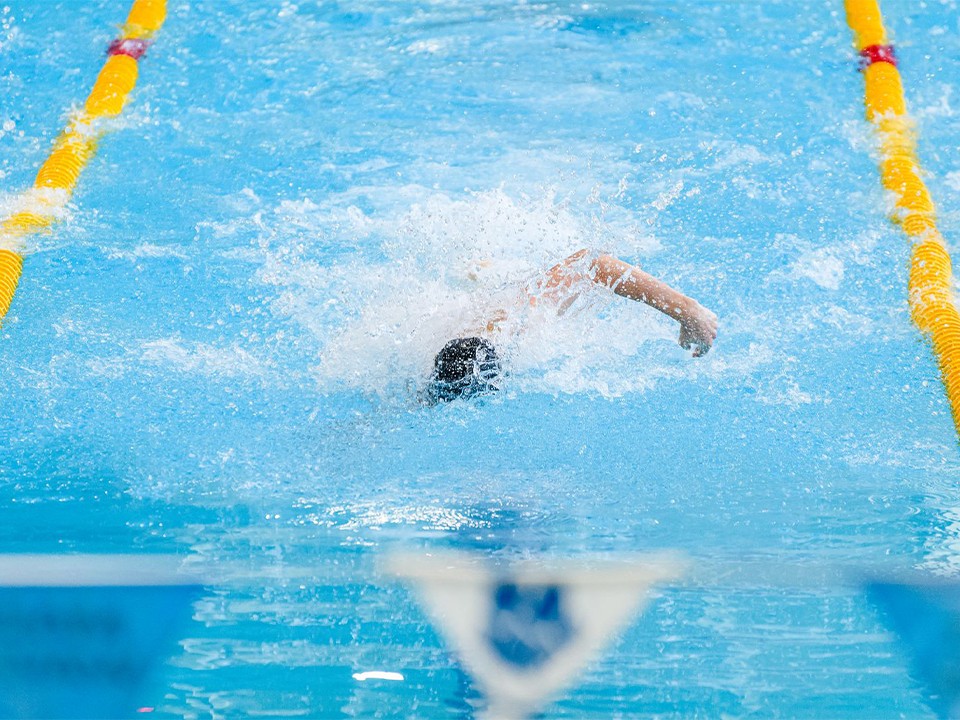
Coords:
pixel 466 367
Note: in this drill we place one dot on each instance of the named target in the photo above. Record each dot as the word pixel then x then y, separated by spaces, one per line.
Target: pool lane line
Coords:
pixel 930 294
pixel 75 146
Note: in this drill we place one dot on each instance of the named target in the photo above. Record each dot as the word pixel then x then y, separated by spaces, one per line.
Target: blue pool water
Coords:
pixel 216 354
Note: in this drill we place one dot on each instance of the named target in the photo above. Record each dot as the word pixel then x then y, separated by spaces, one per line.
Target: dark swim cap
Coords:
pixel 466 367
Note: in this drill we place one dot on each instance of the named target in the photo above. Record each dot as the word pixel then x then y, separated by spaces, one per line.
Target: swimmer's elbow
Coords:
pixel 608 269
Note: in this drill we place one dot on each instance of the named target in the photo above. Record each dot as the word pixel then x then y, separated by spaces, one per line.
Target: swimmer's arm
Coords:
pixel 631 282
pixel 698 326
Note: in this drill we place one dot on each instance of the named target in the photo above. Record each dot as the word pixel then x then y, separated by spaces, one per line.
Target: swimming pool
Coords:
pixel 215 354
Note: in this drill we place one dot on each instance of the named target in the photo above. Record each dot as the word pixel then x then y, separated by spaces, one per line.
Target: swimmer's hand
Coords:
pixel 698 328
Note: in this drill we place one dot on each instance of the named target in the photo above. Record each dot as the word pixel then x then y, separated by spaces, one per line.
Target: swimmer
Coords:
pixel 470 366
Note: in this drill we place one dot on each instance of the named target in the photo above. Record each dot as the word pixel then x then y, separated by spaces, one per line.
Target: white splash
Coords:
pixel 427 47
pixel 665 199
pixel 9 32
pixel 821 266
pixel 377 675
pixel 447 264
pixel 44 202
pixel 146 250
pixel 202 358
pixel 731 154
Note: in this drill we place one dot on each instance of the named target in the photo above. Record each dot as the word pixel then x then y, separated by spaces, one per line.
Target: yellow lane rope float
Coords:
pixel 931 277
pixel 58 176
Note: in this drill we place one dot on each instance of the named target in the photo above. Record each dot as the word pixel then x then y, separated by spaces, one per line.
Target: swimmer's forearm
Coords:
pixel 635 284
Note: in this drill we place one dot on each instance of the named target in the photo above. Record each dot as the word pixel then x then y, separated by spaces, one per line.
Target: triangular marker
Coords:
pixel 81 634
pixel 525 632
pixel 926 616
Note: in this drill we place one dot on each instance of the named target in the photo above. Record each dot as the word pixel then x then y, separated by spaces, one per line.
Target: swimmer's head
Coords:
pixel 464 368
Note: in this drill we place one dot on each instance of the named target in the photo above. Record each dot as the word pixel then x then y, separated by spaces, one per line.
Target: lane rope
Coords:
pixel 931 276
pixel 45 202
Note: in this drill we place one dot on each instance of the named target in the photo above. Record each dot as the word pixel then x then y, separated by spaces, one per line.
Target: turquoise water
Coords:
pixel 216 354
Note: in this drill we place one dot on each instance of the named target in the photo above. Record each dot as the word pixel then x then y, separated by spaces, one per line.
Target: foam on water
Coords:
pixel 8 29
pixel 45 202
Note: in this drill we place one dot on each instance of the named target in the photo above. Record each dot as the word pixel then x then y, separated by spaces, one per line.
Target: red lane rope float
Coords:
pixel 931 275
pixel 133 47
pixel 73 149
pixel 877 53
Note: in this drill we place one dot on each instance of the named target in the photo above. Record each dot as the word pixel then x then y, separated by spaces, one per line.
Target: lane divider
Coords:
pixel 931 277
pixel 57 177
